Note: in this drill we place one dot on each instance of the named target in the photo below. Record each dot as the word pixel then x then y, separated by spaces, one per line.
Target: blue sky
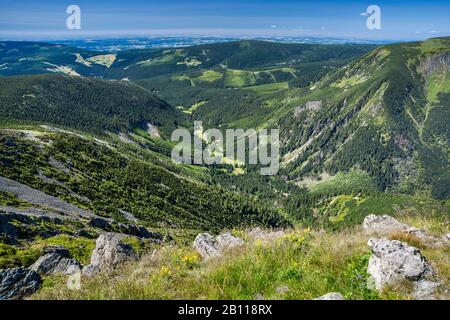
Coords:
pixel 401 20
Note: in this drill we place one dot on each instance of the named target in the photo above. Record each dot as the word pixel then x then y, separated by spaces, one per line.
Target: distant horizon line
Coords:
pixel 84 34
pixel 231 37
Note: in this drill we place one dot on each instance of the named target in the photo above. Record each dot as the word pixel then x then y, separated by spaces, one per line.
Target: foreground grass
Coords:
pixel 303 264
pixel 308 264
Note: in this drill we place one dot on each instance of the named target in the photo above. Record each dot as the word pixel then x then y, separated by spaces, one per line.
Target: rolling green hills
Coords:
pixel 237 55
pixel 33 57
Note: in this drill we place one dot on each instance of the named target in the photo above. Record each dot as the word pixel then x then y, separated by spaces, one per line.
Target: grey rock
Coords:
pixel 265 235
pixel 209 246
pixel 131 229
pixel 59 165
pixel 148 234
pixel 331 296
pixel 227 241
pixel 382 225
pixel 140 231
pixel 84 234
pixel 394 261
pixel 439 62
pixel 313 105
pixel 41 199
pixel 17 283
pixel 385 226
pixel 6 227
pixel 110 251
pixel 101 224
pixel 90 270
pixel 53 263
pixel 129 216
pixel 206 245
pixel 59 250
pixel 309 106
pixel 425 290
pixel 9 142
pixel 282 289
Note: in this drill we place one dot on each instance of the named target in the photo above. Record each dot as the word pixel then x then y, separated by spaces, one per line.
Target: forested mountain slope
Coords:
pixel 386 114
pixel 86 104
pixel 115 180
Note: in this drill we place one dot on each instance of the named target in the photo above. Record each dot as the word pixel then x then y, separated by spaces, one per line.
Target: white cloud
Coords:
pixel 434 31
pixel 364 14
pixel 274 26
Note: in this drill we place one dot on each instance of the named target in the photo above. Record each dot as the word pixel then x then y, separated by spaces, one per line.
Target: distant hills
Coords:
pixel 132 43
pixel 29 58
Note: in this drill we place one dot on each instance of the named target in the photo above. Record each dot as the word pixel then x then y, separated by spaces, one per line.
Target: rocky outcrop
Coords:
pixel 426 290
pixel 153 130
pixel 309 106
pixel 42 199
pixel 382 225
pixel 385 226
pixel 331 296
pixel 56 260
pixel 131 229
pixel 84 234
pixel 209 246
pixel 109 252
pixel 435 63
pixel 265 235
pixel 141 232
pixel 206 245
pixel 7 229
pixel 17 283
pixel 395 261
pixel 101 224
pixel 61 250
pixel 226 241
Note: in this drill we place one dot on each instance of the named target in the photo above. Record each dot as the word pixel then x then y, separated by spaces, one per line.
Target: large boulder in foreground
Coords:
pixel 17 283
pixel 386 226
pixel 209 246
pixel 393 261
pixel 331 296
pixel 109 252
